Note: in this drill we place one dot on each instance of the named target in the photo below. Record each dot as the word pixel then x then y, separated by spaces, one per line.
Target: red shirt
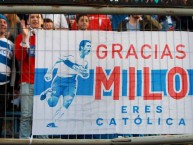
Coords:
pixel 26 57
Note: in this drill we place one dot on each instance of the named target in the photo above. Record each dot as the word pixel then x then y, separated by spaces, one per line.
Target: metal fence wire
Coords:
pixel 70 19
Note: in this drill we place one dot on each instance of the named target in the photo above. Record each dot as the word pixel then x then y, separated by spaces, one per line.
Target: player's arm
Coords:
pixel 48 75
pixel 82 70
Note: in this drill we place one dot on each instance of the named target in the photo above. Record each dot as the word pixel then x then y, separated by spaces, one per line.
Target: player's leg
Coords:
pixel 67 100
pixel 55 94
pixel 68 90
pixel 60 112
pixel 57 91
pixel 68 97
pixel 69 94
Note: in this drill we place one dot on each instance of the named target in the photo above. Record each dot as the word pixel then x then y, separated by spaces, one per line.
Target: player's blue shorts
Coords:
pixel 65 87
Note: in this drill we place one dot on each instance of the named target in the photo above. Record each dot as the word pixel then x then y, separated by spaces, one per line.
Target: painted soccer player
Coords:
pixel 65 81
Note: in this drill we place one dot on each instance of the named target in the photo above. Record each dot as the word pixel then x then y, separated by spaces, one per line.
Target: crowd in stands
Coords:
pixel 20 30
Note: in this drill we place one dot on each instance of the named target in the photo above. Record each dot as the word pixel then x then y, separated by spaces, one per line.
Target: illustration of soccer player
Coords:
pixel 65 81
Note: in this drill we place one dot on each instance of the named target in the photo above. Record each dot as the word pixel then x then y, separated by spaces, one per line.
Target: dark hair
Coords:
pixel 79 16
pixel 47 20
pixel 31 14
pixel 83 43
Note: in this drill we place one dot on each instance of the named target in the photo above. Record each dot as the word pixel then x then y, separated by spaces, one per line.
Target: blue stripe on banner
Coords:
pixel 139 82
pixel 85 87
pixel 4 78
pixel 158 81
pixel 40 83
pixel 4 60
pixel 124 83
pixel 177 82
pixel 5 45
pixel 190 74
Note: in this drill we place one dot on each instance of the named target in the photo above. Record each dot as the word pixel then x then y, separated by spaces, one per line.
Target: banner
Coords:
pixel 97 82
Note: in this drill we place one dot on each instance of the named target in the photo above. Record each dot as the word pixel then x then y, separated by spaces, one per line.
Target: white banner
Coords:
pixel 92 82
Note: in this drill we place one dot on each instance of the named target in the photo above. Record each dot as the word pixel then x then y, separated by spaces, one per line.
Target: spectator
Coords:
pixel 13 29
pixel 48 24
pixel 116 19
pixel 169 23
pixel 59 20
pixel 139 23
pixel 6 58
pixel 97 22
pixel 25 53
pixel 100 22
pixel 14 26
pixel 82 22
pixel 71 19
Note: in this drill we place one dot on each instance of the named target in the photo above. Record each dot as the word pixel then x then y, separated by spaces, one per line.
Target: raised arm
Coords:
pixel 152 24
pixel 82 70
pixel 22 43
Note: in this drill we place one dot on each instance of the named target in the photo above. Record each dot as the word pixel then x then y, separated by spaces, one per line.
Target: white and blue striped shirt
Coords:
pixel 6 55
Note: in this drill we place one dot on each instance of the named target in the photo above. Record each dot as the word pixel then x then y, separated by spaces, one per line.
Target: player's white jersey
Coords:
pixel 72 66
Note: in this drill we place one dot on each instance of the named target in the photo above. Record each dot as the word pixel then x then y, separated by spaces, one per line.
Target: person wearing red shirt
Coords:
pixel 25 54
pixel 82 22
pixel 97 22
pixel 100 22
